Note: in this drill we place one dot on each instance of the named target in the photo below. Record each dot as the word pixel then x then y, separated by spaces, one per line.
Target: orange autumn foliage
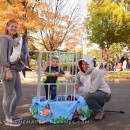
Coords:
pixel 74 39
pixel 22 12
pixel 54 27
pixel 88 45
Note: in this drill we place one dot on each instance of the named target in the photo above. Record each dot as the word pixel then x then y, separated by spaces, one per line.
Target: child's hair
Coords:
pixel 7 24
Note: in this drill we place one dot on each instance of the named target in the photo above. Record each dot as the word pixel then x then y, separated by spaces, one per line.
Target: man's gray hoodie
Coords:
pixel 92 80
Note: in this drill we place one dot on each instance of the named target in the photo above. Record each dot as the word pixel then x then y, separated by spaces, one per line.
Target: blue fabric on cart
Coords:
pixel 57 109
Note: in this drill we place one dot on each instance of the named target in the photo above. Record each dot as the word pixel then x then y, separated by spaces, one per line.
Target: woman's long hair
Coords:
pixel 8 23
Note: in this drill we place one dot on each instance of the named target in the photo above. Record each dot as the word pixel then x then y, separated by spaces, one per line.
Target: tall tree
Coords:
pixel 60 20
pixel 74 39
pixel 107 23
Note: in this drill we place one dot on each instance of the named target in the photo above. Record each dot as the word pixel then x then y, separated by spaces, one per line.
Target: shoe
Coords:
pixel 16 118
pixel 99 116
pixel 13 123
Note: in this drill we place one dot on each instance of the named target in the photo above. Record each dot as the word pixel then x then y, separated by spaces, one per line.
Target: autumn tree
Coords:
pixel 21 10
pixel 51 20
pixel 74 39
pixel 61 18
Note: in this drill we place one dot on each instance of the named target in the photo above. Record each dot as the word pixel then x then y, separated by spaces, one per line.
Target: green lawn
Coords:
pixel 118 76
pixel 111 76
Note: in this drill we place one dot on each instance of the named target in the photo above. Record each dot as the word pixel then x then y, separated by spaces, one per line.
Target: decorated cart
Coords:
pixel 68 105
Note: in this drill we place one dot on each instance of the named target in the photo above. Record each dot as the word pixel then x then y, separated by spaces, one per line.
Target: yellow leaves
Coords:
pixel 30 1
pixel 43 5
pixel 25 16
pixel 78 49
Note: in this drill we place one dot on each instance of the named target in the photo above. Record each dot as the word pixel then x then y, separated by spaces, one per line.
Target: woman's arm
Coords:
pixel 4 57
pixel 4 47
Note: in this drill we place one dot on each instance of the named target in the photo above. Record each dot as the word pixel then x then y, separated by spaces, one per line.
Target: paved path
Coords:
pixel 114 121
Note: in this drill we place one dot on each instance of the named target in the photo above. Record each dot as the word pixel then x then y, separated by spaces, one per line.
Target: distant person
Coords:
pixel 94 62
pixel 122 60
pixel 124 65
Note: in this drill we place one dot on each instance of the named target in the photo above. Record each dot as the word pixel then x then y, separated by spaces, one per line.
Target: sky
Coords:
pixel 83 5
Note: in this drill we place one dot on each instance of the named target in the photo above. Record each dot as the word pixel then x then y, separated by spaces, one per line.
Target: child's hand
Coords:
pixel 57 74
pixel 76 86
pixel 53 74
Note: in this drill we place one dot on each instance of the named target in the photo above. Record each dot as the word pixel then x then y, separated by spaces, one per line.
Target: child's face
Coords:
pixel 85 66
pixel 54 62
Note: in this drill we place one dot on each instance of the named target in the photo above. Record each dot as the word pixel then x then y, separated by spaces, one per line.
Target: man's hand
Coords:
pixel 76 86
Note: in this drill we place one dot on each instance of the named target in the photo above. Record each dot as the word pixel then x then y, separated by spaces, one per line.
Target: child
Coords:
pixel 52 73
pixel 95 90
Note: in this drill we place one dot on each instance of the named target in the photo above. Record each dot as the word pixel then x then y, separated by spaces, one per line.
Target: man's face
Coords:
pixel 85 66
pixel 54 62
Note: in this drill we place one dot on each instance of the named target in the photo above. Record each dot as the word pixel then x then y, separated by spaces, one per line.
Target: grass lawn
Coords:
pixel 111 76
pixel 119 76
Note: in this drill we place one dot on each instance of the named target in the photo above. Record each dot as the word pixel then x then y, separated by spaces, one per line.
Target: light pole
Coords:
pixel 84 45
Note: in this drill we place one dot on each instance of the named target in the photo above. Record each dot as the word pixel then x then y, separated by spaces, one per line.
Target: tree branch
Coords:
pixel 9 2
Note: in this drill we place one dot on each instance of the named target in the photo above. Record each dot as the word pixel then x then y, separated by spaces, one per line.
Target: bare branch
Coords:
pixel 9 2
pixel 63 16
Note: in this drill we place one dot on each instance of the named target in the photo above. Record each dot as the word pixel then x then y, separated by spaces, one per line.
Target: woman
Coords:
pixel 95 90
pixel 10 78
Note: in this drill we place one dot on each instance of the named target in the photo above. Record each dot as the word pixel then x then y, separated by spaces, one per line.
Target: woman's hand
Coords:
pixel 76 86
pixel 8 75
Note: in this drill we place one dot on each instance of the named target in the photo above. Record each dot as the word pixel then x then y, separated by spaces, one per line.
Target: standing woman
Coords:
pixel 10 78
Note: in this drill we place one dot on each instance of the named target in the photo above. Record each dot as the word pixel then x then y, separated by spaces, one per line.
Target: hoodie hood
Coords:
pixel 87 59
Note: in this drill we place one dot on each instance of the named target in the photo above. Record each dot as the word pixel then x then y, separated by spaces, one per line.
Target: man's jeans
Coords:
pixel 96 100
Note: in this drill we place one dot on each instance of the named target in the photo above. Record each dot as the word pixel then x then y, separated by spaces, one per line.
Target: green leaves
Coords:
pixel 107 22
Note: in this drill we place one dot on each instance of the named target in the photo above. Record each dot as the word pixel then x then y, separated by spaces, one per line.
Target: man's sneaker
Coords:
pixel 99 116
pixel 14 124
pixel 16 118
